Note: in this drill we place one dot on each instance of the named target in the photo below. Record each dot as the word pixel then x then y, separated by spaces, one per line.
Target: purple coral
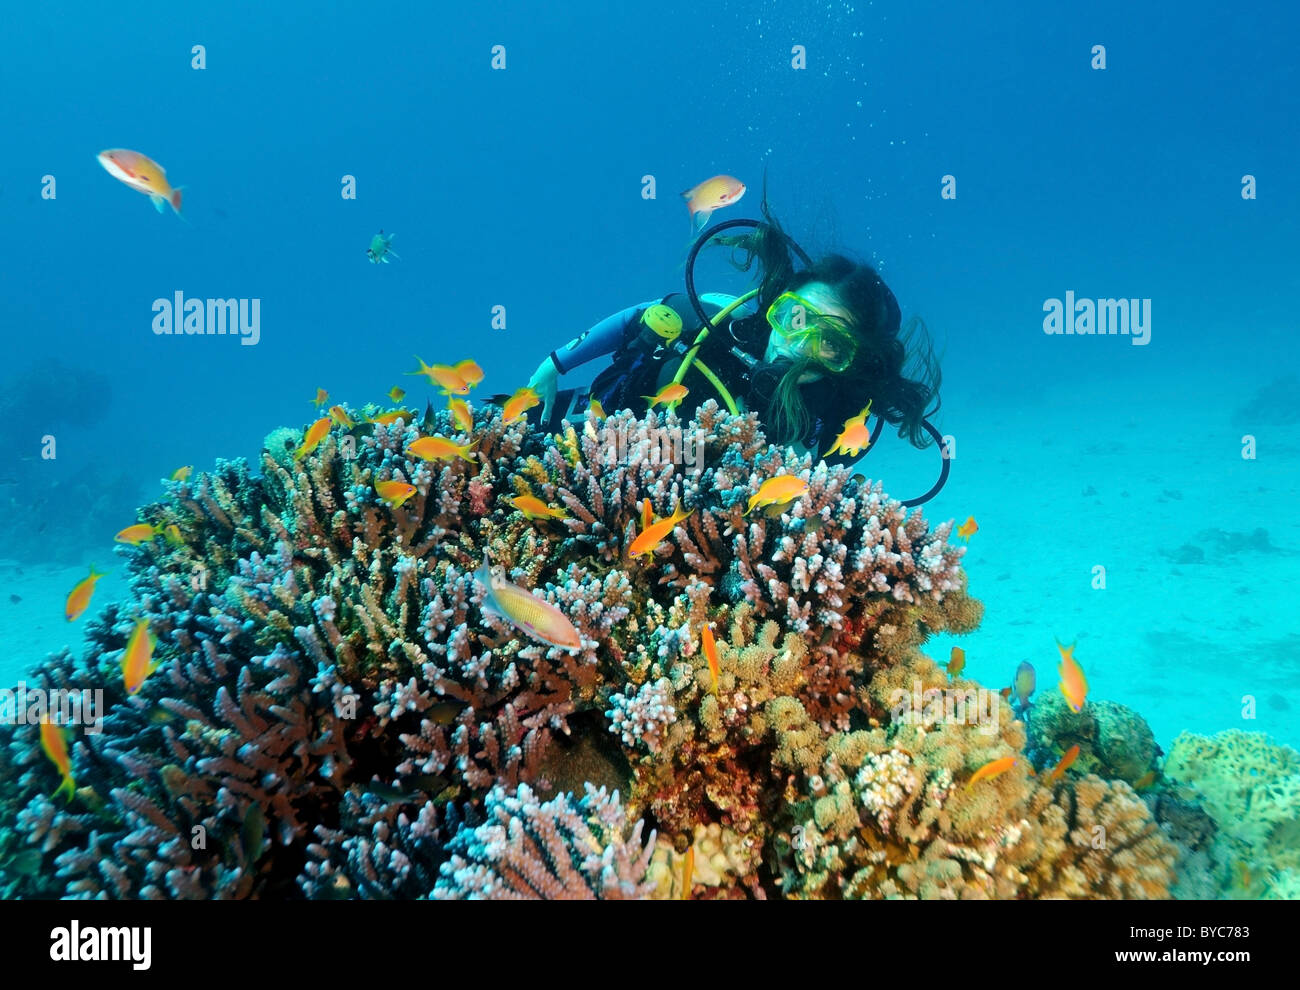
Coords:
pixel 557 850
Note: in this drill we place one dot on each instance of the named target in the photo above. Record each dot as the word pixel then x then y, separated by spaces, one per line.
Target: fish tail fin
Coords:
pixel 176 200
pixel 69 785
pixel 484 576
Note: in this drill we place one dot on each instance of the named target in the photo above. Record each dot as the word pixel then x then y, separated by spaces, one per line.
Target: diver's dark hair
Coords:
pixel 894 366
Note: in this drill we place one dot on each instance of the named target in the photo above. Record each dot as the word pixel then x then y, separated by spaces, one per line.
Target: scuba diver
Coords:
pixel 807 350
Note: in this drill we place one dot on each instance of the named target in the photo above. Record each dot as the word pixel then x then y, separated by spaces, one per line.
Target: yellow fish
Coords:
pixel 142 174
pixel 182 473
pixel 394 492
pixel 595 406
pixel 520 403
pixel 710 653
pixel 534 508
pixel 172 534
pixel 855 436
pixel 321 398
pixel 991 769
pixel 688 868
pixel 396 393
pixel 968 529
pixel 461 415
pixel 55 745
pixel 137 660
pixel 711 194
pixel 315 434
pixel 79 597
pixel 392 416
pixel 444 376
pixel 137 534
pixel 1074 686
pixel 777 491
pixel 469 372
pixel 340 416
pixel 654 534
pixel 439 449
pixel 526 612
pixel 671 395
pixel 956 661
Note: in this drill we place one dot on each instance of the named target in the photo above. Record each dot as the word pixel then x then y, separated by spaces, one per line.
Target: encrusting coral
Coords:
pixel 337 715
pixel 1250 787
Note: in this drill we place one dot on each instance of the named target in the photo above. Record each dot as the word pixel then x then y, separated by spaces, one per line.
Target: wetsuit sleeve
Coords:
pixel 604 338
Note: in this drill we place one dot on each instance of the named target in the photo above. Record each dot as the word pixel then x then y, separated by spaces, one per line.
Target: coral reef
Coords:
pixel 1250 787
pixel 336 714
pixel 1114 741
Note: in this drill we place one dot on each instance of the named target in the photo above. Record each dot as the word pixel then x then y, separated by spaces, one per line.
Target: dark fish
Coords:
pixel 445 712
pixel 15 599
pixel 253 833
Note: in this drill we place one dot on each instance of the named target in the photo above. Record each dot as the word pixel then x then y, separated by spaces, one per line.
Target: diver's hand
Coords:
pixel 544 383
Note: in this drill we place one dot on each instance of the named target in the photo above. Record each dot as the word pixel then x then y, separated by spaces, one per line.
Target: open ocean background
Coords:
pixel 522 188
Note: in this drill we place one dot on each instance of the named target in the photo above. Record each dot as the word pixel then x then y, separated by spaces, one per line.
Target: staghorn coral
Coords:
pixel 336 716
pixel 557 850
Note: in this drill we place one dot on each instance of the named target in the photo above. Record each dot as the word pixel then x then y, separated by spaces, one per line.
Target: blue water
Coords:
pixel 522 188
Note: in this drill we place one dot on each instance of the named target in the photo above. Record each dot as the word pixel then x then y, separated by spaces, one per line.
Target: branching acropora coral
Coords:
pixel 337 715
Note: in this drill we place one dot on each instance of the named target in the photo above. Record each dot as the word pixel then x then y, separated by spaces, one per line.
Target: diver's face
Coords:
pixel 822 296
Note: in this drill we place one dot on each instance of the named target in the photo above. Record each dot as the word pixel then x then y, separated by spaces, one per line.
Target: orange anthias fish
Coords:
pixel 968 529
pixel 469 371
pixel 1146 781
pixel 855 436
pixel 709 195
pixel 396 394
pixel 137 534
pixel 710 653
pixel 340 416
pixel 137 661
pixel 654 534
pixel 991 769
pixel 394 492
pixel 444 376
pixel 1074 686
pixel 526 612
pixel 1058 771
pixel 392 416
pixel 315 434
pixel 143 174
pixel 777 491
pixel 670 395
pixel 439 449
pixel 321 398
pixel 460 414
pixel 182 473
pixel 55 744
pixel 956 661
pixel 534 508
pixel 520 403
pixel 79 597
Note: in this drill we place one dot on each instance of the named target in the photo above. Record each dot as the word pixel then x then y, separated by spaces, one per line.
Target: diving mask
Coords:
pixel 806 332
